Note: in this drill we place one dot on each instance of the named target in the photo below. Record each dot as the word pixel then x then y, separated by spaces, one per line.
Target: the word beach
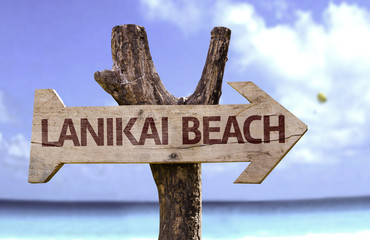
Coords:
pixel 261 133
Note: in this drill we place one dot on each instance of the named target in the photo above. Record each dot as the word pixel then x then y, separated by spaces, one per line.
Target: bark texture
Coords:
pixel 133 80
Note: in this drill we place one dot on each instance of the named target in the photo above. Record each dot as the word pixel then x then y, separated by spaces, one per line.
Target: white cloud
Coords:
pixel 19 146
pixel 299 60
pixel 14 150
pixel 4 114
pixel 186 14
pixel 14 158
pixel 306 58
pixel 278 7
pixel 281 7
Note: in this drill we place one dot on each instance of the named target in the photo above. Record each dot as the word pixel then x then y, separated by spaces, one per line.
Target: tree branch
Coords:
pixel 133 80
pixel 208 91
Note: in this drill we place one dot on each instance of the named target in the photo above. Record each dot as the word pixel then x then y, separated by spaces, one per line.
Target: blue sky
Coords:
pixel 291 49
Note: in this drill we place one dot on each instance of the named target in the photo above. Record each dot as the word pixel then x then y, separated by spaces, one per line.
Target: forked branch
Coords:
pixel 133 80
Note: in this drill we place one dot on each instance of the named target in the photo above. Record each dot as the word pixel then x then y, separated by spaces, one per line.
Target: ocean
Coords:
pixel 273 220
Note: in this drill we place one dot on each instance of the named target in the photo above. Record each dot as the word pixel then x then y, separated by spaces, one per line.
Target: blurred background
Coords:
pixel 312 57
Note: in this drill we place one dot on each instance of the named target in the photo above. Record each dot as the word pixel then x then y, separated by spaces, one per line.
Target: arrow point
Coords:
pixel 47 98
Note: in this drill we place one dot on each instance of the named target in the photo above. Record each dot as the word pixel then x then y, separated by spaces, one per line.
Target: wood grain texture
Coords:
pixel 226 133
pixel 133 80
pixel 173 134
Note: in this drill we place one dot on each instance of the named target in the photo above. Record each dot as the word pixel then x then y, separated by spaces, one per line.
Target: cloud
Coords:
pixel 186 14
pixel 306 58
pixel 281 7
pixel 4 114
pixel 15 149
pixel 297 60
pixel 19 146
pixel 14 158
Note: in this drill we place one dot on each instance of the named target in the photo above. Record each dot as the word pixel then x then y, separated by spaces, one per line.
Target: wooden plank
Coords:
pixel 261 133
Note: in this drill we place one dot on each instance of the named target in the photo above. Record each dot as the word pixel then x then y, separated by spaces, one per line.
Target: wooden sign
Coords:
pixel 261 133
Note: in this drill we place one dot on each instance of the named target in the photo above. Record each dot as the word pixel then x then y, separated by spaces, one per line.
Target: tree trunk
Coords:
pixel 133 80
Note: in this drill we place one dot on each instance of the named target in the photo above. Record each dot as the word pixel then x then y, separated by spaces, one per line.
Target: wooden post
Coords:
pixel 133 80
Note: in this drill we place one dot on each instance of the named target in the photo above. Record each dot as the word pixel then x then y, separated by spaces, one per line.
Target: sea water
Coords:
pixel 276 220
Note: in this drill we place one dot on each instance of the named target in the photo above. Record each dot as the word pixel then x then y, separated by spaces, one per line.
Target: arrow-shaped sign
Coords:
pixel 261 133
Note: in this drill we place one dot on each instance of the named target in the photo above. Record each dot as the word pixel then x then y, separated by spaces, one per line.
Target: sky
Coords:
pixel 293 50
